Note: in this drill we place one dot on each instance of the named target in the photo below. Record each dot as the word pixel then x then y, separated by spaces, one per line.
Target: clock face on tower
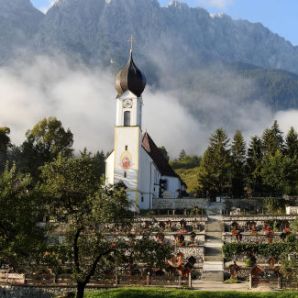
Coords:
pixel 127 103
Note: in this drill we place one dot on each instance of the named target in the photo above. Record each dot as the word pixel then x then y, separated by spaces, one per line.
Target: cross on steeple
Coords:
pixel 131 40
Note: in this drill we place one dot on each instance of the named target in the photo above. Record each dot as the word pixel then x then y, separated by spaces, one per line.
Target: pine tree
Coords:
pixel 291 147
pixel 254 166
pixel 273 139
pixel 238 165
pixel 4 145
pixel 215 169
pixel 274 173
pixel 182 154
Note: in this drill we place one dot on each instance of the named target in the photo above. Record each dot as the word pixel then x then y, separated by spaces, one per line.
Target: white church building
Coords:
pixel 136 161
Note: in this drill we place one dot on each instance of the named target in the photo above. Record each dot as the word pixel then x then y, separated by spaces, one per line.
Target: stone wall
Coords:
pixel 185 203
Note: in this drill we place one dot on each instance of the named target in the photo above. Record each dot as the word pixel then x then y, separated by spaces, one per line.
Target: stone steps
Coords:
pixel 213 268
pixel 213 276
pixel 213 258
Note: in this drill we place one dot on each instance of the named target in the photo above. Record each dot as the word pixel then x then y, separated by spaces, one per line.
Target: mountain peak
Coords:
pixel 178 4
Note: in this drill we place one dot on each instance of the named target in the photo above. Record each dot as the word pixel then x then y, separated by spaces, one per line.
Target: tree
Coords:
pixel 164 152
pixel 291 148
pixel 254 166
pixel 151 253
pixel 4 145
pixel 98 162
pixel 273 139
pixel 87 212
pixel 238 164
pixel 21 239
pixel 273 173
pixel 44 142
pixel 182 154
pixel 215 169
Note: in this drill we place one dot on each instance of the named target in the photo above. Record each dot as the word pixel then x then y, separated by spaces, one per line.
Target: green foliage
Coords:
pixel 274 205
pixel 291 147
pixel 75 196
pixel 44 142
pixel 50 138
pixel 185 161
pixel 254 166
pixel 4 139
pixel 165 293
pixel 294 225
pixel 238 151
pixel 150 252
pixel 190 177
pixel 272 139
pixel 215 169
pixel 4 145
pixel 230 250
pixel 164 152
pixel 277 172
pixel 20 238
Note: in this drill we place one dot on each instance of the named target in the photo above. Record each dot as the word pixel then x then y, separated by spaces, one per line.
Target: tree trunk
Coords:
pixel 80 289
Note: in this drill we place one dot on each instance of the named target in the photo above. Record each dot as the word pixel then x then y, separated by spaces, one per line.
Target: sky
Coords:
pixel 280 16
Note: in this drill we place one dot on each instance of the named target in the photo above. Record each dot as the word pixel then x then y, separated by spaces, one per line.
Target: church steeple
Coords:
pixel 130 78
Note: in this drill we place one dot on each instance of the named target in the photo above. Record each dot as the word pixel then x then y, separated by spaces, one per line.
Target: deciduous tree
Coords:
pixel 86 211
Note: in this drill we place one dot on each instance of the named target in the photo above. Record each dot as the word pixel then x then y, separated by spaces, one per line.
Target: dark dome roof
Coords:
pixel 130 78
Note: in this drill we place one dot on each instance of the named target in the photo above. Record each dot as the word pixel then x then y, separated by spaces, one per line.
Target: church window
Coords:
pixel 142 199
pixel 125 174
pixel 127 118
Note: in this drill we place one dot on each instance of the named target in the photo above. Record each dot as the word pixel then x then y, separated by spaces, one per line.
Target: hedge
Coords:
pixel 265 249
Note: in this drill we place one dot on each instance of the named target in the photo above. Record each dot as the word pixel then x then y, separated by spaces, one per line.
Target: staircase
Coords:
pixel 213 268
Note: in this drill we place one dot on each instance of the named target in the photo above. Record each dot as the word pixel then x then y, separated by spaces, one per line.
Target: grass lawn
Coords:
pixel 163 293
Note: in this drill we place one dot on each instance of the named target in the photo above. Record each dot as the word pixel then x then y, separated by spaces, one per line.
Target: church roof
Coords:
pixel 157 157
pixel 130 78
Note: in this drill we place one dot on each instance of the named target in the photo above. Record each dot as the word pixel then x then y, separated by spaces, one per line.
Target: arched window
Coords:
pixel 127 118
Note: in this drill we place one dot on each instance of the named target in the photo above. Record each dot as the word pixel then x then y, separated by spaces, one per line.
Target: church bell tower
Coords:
pixel 130 84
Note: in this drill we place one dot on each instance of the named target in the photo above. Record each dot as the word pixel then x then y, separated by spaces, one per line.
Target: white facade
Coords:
pixel 140 167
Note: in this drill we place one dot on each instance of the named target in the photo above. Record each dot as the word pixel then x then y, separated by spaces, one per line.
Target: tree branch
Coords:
pixel 94 265
pixel 76 250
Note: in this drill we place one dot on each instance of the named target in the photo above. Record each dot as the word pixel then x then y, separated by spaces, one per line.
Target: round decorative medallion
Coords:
pixel 126 160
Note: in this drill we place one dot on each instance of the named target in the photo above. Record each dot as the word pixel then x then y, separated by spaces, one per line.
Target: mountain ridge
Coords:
pixel 179 47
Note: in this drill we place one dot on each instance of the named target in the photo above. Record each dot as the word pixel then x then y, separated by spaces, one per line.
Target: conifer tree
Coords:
pixel 273 173
pixel 215 169
pixel 254 166
pixel 238 164
pixel 273 139
pixel 4 145
pixel 291 146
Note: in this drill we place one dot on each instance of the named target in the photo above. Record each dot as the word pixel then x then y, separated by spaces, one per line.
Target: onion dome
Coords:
pixel 130 78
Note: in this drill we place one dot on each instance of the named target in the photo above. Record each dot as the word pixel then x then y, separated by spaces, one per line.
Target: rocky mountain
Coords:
pixel 19 23
pixel 98 30
pixel 178 47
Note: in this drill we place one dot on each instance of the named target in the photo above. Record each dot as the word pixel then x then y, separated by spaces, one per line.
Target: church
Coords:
pixel 136 161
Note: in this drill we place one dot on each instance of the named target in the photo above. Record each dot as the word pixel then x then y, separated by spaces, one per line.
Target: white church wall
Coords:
pixel 149 180
pixel 126 161
pixel 109 171
pixel 173 185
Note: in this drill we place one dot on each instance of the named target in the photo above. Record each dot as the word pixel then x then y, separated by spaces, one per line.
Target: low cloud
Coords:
pixel 83 99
